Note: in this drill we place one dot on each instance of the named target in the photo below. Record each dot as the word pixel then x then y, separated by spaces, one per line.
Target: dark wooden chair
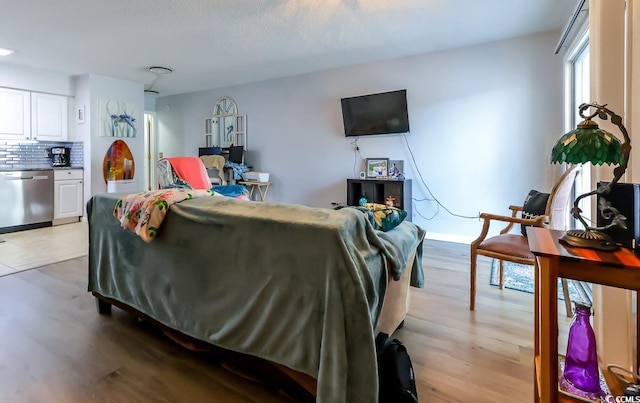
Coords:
pixel 513 247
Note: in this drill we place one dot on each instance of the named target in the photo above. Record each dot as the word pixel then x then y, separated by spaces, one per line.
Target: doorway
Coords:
pixel 150 150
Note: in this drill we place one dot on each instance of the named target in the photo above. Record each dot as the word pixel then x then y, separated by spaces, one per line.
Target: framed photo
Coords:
pixel 80 115
pixel 396 169
pixel 377 167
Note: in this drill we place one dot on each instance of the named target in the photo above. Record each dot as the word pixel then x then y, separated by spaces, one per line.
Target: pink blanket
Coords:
pixel 144 212
pixel 192 170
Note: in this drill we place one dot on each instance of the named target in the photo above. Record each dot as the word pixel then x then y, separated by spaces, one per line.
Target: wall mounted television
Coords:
pixel 383 113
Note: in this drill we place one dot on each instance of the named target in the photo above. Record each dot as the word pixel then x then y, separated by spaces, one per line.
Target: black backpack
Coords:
pixel 396 380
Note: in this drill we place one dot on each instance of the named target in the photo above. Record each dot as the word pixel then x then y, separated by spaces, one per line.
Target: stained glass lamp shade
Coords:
pixel 589 143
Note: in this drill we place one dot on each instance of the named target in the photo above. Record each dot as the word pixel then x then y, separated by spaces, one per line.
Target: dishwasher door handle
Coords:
pixel 26 178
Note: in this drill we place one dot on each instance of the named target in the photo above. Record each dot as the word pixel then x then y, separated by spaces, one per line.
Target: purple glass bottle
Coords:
pixel 580 374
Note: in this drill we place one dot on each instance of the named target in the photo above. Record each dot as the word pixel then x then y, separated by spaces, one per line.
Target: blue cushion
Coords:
pixel 229 190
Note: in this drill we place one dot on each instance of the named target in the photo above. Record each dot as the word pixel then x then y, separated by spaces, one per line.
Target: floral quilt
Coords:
pixel 144 212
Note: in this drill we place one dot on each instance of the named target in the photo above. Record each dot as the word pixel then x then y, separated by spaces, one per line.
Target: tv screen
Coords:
pixel 382 113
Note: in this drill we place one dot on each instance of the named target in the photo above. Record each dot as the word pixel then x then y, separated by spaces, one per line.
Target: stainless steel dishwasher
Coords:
pixel 26 198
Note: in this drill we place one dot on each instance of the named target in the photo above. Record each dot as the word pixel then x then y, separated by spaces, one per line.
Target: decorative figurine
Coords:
pixel 390 202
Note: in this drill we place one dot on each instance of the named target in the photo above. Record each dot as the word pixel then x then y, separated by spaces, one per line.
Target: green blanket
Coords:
pixel 299 286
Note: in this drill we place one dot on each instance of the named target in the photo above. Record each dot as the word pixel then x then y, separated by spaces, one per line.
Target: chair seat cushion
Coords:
pixel 508 244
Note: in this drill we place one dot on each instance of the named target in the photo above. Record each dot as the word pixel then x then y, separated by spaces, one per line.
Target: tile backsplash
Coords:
pixel 28 155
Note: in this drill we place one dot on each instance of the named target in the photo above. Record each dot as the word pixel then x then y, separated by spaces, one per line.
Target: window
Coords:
pixel 578 94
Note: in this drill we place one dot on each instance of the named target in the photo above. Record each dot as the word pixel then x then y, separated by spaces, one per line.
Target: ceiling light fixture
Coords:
pixel 150 91
pixel 6 52
pixel 160 70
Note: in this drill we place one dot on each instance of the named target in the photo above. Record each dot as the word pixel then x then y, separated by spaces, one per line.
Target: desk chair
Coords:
pixel 514 247
pixel 215 168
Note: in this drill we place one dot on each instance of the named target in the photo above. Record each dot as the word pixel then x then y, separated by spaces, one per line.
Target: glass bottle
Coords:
pixel 580 375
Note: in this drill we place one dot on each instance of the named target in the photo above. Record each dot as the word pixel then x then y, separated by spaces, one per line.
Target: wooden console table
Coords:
pixel 620 269
pixel 263 188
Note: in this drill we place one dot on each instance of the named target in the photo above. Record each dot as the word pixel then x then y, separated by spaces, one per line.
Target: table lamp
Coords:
pixel 589 143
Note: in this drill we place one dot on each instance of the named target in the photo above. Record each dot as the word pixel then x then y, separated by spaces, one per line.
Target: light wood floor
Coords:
pixel 54 347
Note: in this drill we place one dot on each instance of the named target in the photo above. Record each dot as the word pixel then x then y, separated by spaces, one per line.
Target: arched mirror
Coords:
pixel 225 127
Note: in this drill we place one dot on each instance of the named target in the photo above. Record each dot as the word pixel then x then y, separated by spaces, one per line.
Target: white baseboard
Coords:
pixel 449 238
pixel 68 220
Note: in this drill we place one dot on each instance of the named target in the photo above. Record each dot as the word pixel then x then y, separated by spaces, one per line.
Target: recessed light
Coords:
pixel 160 70
pixel 6 52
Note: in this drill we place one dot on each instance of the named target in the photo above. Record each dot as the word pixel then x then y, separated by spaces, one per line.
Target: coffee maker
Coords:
pixel 60 156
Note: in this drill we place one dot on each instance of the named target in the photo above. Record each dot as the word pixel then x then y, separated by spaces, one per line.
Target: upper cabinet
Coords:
pixel 49 117
pixel 15 117
pixel 26 115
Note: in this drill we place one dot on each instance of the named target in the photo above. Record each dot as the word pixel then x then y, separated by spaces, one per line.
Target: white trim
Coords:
pixel 632 21
pixel 150 151
pixel 578 18
pixel 435 236
pixel 608 84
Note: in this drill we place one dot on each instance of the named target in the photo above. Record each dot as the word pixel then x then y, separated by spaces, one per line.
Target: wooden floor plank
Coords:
pixel 56 348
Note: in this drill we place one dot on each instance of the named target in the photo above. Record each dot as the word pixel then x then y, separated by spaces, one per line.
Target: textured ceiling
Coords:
pixel 215 43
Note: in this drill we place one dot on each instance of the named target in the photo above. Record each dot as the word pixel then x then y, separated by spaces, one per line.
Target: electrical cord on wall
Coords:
pixel 433 198
pixel 356 152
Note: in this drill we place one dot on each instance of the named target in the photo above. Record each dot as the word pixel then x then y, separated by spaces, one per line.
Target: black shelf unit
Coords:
pixel 378 190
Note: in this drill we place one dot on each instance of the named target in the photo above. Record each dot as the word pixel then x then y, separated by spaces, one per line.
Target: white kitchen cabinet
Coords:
pixel 15 116
pixel 67 195
pixel 49 117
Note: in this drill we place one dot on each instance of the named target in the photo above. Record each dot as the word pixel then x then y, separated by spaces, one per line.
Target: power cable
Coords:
pixel 356 152
pixel 438 204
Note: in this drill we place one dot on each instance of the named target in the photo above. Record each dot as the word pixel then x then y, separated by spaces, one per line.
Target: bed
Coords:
pixel 304 288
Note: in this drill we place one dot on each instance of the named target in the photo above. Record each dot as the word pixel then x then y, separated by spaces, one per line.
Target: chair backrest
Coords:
pixel 560 203
pixel 213 161
pixel 215 167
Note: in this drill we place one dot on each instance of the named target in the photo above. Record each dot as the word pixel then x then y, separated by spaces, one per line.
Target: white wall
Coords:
pixel 82 132
pixel 106 88
pixel 483 121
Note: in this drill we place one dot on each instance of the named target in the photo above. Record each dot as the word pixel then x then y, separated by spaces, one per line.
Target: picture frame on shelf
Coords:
pixel 396 169
pixel 377 168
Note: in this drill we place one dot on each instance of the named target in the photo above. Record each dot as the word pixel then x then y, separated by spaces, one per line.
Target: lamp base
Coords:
pixel 589 239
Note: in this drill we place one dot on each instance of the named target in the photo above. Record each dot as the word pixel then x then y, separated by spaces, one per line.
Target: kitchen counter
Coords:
pixel 38 169
pixel 26 169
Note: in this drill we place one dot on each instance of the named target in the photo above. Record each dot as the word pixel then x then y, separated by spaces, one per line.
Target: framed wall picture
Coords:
pixel 377 167
pixel 118 119
pixel 396 169
pixel 80 114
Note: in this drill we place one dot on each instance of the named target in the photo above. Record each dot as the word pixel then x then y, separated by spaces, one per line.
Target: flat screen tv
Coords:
pixel 382 113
